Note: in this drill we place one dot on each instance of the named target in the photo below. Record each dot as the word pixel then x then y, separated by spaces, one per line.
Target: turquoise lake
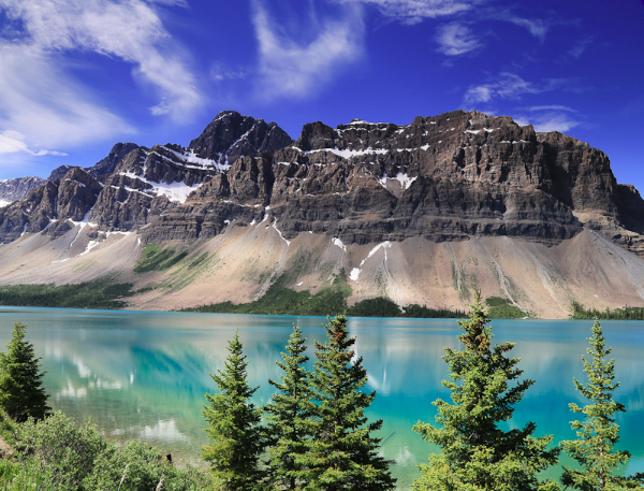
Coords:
pixel 144 374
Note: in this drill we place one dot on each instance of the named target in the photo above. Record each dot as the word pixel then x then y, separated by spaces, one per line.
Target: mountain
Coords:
pixel 421 213
pixel 15 189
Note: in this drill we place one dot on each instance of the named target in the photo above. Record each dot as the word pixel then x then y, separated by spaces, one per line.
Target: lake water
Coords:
pixel 144 374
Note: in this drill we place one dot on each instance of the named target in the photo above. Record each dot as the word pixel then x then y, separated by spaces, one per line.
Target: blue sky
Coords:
pixel 78 75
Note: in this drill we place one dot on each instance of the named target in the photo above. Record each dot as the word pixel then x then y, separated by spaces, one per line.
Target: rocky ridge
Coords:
pixel 15 189
pixel 449 177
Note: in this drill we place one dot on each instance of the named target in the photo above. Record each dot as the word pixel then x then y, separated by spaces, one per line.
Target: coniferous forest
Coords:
pixel 314 433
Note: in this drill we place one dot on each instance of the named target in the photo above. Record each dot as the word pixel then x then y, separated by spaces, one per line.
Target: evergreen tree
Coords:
pixel 289 414
pixel 22 395
pixel 598 433
pixel 343 454
pixel 233 426
pixel 476 454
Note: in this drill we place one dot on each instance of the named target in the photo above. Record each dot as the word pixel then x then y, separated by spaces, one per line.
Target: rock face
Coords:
pixel 444 178
pixel 16 189
pixel 231 135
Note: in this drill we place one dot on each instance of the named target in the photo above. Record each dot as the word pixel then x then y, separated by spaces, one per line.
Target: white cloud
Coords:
pixel 551 117
pixel 289 68
pixel 130 30
pixel 219 73
pixel 414 11
pixel 506 86
pixel 537 27
pixel 14 142
pixel 456 39
pixel 41 107
pixel 552 107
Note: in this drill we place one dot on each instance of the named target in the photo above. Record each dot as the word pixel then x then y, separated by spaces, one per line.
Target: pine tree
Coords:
pixel 233 426
pixel 476 453
pixel 22 395
pixel 289 414
pixel 597 435
pixel 343 454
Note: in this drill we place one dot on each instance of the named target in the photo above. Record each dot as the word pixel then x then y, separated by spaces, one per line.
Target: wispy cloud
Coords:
pixel 550 117
pixel 537 27
pixel 456 39
pixel 220 72
pixel 14 142
pixel 42 108
pixel 289 68
pixel 131 31
pixel 505 86
pixel 510 86
pixel 580 47
pixel 414 11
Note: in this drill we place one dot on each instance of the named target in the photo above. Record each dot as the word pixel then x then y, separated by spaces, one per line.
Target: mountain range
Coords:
pixel 424 213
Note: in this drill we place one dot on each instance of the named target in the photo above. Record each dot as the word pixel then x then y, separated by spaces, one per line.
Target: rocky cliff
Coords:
pixel 15 189
pixel 443 179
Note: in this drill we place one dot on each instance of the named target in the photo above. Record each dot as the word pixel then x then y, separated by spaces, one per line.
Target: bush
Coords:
pixel 58 451
pixel 58 455
pixel 137 466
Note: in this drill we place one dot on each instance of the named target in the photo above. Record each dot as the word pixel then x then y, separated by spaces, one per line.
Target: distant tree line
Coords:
pixel 624 313
pixel 314 434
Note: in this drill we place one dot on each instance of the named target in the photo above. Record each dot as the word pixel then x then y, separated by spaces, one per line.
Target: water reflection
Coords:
pixel 143 375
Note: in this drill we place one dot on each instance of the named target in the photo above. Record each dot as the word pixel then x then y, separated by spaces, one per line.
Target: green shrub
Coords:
pixel 137 466
pixel 56 454
pixel 58 450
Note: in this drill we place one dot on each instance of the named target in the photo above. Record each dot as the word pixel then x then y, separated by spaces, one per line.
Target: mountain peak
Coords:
pixel 230 135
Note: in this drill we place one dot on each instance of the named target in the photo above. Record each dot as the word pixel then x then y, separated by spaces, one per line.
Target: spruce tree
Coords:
pixel 598 433
pixel 22 395
pixel 343 454
pixel 233 426
pixel 288 418
pixel 476 453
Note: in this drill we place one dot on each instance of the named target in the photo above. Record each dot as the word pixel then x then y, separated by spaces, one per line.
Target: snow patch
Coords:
pixel 347 154
pixel 355 272
pixel 288 242
pixel 403 178
pixel 90 245
pixel 174 191
pixel 336 241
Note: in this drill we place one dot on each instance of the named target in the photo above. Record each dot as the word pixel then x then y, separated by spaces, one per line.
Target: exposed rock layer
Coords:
pixel 450 177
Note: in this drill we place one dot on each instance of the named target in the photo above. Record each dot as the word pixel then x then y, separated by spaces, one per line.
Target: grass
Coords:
pixel 156 258
pixel 624 313
pixel 101 294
